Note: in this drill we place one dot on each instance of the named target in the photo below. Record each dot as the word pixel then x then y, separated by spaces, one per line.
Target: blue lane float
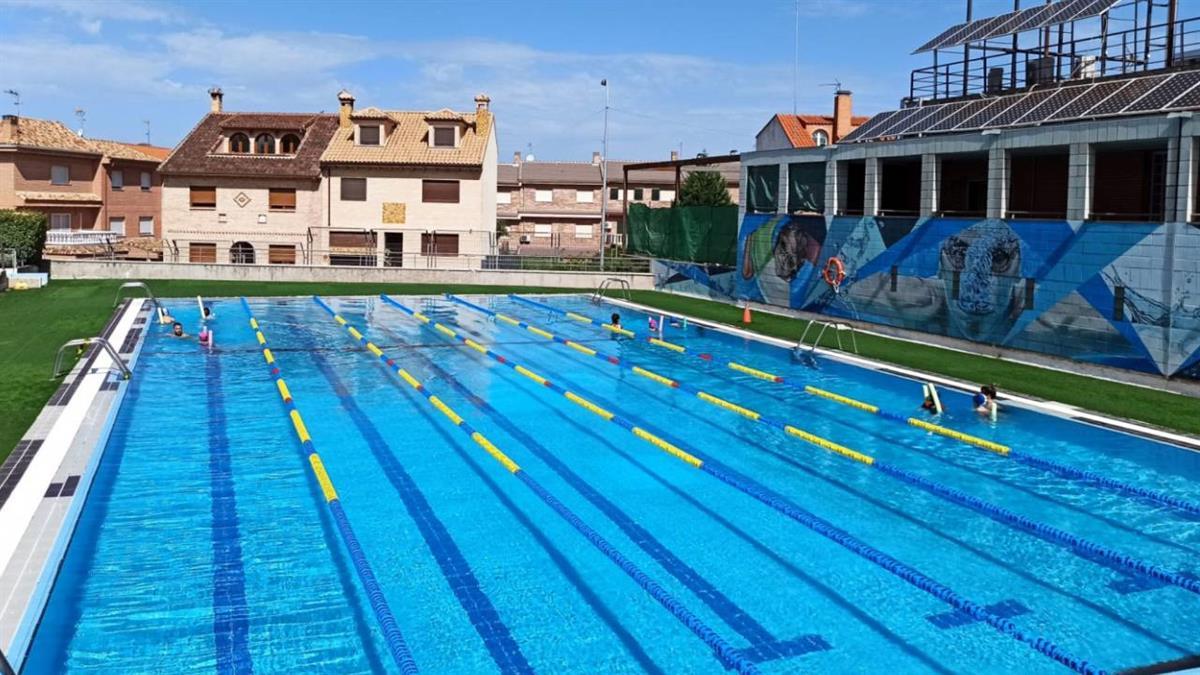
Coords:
pixel 392 636
pixel 787 508
pixel 725 652
pixel 1084 548
pixel 1051 466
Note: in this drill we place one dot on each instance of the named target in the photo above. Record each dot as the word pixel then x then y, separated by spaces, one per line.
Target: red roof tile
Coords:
pixel 197 155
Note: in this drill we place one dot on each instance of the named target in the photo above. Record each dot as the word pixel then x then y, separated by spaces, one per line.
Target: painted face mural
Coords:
pixel 794 248
pixel 984 261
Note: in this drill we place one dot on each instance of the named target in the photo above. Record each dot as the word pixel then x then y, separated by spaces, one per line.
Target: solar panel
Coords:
pixel 917 123
pixel 1162 95
pixel 867 130
pixel 1096 94
pixel 1121 100
pixel 901 120
pixel 1033 17
pixel 980 121
pixel 1189 100
pixel 932 44
pixel 943 112
pixel 1013 19
pixel 1049 106
pixel 984 29
pixel 1018 110
pixel 974 107
pixel 1067 11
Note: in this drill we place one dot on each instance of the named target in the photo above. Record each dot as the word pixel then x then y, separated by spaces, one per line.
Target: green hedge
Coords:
pixel 24 231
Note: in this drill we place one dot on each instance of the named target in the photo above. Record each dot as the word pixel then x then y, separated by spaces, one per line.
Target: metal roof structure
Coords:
pixel 1019 21
pixel 1128 96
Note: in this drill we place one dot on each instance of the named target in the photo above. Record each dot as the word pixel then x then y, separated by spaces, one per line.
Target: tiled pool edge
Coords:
pixel 24 601
pixel 1049 407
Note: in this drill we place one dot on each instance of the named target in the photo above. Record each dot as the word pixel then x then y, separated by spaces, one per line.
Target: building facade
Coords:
pixel 555 208
pixel 1056 216
pixel 79 184
pixel 784 131
pixel 373 187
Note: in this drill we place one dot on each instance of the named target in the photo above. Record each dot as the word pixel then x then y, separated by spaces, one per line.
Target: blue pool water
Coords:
pixel 207 544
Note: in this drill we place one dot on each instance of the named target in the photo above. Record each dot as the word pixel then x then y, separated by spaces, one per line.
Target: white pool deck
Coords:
pixel 45 481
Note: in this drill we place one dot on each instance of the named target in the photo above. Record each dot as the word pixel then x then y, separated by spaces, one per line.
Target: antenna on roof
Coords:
pixel 147 123
pixel 835 83
pixel 82 115
pixel 529 153
pixel 796 62
pixel 16 99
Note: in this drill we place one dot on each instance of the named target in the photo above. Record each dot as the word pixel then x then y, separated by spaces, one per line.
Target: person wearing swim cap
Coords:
pixel 205 337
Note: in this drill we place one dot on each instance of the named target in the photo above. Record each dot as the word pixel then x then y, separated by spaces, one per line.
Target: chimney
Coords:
pixel 842 114
pixel 218 99
pixel 517 158
pixel 345 108
pixel 596 158
pixel 482 102
pixel 8 129
pixel 674 155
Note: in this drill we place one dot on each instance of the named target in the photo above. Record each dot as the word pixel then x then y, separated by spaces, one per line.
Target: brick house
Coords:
pixel 47 167
pixel 555 207
pixel 785 131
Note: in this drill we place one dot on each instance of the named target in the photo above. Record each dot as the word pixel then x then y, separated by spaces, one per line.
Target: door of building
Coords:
pixel 393 249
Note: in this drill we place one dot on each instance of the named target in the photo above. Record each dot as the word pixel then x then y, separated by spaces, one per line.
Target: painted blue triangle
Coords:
pixel 1100 297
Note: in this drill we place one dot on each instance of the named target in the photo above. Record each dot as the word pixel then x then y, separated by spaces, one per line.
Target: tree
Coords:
pixel 24 231
pixel 704 188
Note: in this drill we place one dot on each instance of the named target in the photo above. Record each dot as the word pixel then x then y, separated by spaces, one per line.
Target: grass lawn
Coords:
pixel 34 323
pixel 1160 408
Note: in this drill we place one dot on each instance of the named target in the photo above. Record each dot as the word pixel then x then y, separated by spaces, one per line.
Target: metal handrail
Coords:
pixel 606 284
pixel 135 284
pixel 83 343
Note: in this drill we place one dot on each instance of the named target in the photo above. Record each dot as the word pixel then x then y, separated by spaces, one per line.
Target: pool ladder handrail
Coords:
pixel 837 326
pixel 607 284
pixel 87 342
pixel 135 284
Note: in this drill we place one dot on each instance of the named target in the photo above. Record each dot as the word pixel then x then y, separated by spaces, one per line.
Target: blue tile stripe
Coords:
pixel 818 525
pixel 231 615
pixel 454 566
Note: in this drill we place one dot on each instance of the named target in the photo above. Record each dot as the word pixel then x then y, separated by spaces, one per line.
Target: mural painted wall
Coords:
pixel 1117 294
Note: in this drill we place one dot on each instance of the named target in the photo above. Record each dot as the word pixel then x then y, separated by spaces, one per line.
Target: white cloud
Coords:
pixel 96 10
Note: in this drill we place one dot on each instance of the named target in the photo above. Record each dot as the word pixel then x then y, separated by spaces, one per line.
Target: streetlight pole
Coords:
pixel 604 177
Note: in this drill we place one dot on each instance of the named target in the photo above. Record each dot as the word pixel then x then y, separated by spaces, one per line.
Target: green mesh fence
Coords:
pixel 705 234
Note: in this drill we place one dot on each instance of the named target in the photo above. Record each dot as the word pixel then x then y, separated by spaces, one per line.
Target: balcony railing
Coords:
pixel 80 237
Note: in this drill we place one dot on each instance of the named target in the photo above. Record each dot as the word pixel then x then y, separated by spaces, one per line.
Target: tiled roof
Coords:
pixel 533 174
pixel 83 197
pixel 443 114
pixel 45 134
pixel 407 143
pixel 508 175
pixel 197 156
pixel 371 113
pixel 560 173
pixel 142 153
pixel 797 127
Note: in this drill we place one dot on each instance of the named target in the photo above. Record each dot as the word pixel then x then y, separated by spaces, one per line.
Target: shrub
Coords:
pixel 24 231
pixel 704 188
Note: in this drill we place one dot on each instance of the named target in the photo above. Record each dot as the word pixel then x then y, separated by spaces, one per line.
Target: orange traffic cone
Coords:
pixel 746 313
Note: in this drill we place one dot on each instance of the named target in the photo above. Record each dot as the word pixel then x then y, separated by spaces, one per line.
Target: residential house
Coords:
pixel 555 207
pixel 785 131
pixel 246 187
pixel 410 188
pixel 47 167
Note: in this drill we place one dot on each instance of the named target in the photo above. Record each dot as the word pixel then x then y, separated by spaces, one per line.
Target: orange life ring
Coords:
pixel 834 272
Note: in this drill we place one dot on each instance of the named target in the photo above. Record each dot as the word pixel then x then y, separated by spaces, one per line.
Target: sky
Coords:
pixel 694 76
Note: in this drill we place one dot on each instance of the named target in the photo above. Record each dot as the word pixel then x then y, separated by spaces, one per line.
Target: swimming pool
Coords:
pixel 648 528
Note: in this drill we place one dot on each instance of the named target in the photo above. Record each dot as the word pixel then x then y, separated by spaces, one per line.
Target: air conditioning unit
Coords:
pixel 1039 70
pixel 1085 67
pixel 995 81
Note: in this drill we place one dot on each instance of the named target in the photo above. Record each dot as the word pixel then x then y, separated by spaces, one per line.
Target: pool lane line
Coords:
pixel 231 616
pixel 1080 546
pixel 1062 470
pixel 721 605
pixel 450 560
pixel 383 613
pixel 725 652
pixel 786 507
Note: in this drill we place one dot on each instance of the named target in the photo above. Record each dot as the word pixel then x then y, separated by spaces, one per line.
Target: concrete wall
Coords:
pixel 97 269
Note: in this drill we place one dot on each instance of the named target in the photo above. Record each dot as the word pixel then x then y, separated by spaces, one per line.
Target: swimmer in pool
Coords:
pixel 177 330
pixel 984 402
pixel 929 405
pixel 616 320
pixel 205 337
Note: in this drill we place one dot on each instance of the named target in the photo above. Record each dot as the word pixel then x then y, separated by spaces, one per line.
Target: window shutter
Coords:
pixel 439 244
pixel 282 199
pixel 281 254
pixel 350 240
pixel 439 191
pixel 204 197
pixel 354 189
pixel 202 253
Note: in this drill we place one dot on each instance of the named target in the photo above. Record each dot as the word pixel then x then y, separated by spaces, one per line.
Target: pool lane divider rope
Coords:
pixel 723 650
pixel 1083 547
pixel 1062 470
pixel 814 523
pixel 392 636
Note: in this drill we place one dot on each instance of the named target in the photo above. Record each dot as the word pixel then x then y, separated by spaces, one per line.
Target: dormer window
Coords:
pixel 820 138
pixel 444 137
pixel 289 144
pixel 264 144
pixel 239 143
pixel 368 134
